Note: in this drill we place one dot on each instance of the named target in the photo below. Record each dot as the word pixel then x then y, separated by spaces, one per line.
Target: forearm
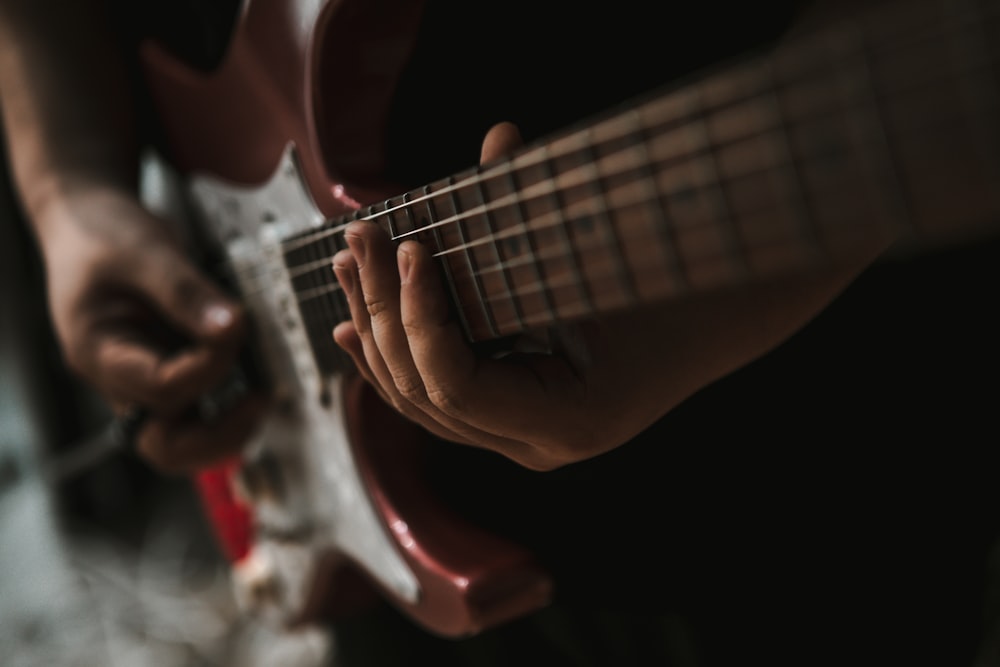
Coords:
pixel 66 102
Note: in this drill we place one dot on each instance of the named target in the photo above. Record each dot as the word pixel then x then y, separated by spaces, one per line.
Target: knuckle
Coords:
pixel 412 327
pixel 411 386
pixel 447 400
pixel 377 308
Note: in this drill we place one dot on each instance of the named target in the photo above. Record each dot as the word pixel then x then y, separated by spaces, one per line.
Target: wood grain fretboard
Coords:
pixel 786 161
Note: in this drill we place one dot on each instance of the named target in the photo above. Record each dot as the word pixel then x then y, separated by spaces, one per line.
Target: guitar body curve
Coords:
pixel 795 159
pixel 277 139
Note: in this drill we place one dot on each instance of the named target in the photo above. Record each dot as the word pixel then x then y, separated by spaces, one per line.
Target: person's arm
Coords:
pixel 134 317
pixel 548 411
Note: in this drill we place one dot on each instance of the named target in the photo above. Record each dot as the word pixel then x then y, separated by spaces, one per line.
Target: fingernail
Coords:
pixel 218 316
pixel 357 245
pixel 345 278
pixel 404 261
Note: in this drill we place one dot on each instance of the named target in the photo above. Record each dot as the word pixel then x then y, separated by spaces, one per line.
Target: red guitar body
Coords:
pixel 755 172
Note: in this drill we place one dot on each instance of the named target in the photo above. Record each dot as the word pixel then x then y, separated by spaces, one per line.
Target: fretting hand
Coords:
pixel 547 410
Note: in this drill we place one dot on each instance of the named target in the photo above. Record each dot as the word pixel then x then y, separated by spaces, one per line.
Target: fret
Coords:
pixel 339 309
pixel 565 241
pixel 390 222
pixel 810 248
pixel 659 209
pixel 500 261
pixel 540 288
pixel 325 278
pixel 408 212
pixel 781 163
pixel 827 125
pixel 470 262
pixel 303 262
pixel 827 137
pixel 624 194
pixel 435 231
pixel 316 319
pixel 749 149
pixel 885 153
pixel 701 141
pixel 626 293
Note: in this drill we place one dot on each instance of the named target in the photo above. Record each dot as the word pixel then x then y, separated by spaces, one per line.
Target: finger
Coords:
pixel 184 445
pixel 361 344
pixel 359 341
pixel 129 370
pixel 501 139
pixel 166 358
pixel 347 337
pixel 380 285
pixel 495 397
pixel 452 374
pixel 187 298
pixel 438 347
pixel 379 282
pixel 346 269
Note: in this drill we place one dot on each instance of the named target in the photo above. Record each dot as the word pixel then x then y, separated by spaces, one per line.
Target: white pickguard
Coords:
pixel 323 504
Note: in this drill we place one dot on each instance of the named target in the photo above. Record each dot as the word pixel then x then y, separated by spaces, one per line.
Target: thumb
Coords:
pixel 188 299
pixel 501 140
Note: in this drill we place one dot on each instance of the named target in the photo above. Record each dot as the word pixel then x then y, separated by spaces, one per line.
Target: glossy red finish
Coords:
pixel 320 80
pixel 470 580
pixel 323 81
pixel 231 518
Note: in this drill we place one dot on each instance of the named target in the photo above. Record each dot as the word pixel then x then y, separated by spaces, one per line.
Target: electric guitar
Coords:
pixel 780 162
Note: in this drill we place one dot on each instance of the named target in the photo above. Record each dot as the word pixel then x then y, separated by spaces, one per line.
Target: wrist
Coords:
pixel 57 201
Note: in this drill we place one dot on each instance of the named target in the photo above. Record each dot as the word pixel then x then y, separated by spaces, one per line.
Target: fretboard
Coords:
pixel 780 163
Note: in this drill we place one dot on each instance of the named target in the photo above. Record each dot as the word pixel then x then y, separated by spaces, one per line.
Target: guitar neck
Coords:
pixel 778 164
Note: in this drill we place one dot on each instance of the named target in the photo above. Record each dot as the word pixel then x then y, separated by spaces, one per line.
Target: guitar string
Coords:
pixel 540 189
pixel 325 263
pixel 555 283
pixel 538 224
pixel 545 188
pixel 530 156
pixel 578 176
pixel 551 219
pixel 337 304
pixel 568 279
pixel 556 216
pixel 556 252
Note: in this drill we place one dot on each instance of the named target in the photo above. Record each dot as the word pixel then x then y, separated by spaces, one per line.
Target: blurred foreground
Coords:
pixel 114 567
